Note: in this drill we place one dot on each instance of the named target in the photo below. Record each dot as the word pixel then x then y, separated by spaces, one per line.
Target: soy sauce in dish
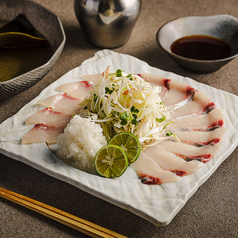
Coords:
pixel 201 47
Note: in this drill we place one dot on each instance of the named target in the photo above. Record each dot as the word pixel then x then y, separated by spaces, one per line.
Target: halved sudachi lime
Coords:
pixel 129 143
pixel 111 161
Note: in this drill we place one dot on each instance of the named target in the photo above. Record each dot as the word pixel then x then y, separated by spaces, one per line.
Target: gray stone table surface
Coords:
pixel 211 212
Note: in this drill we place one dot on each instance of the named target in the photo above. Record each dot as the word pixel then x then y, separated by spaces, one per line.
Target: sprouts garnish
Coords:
pixel 125 102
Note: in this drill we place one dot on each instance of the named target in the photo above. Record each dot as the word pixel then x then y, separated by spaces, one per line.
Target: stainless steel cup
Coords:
pixel 107 23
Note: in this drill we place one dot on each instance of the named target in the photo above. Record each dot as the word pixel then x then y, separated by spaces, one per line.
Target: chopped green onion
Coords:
pixel 162 103
pixel 135 116
pixel 123 122
pixel 134 122
pixel 119 73
pixel 165 126
pixel 133 109
pixel 124 116
pixel 163 118
pixel 129 76
pixel 108 90
pixel 169 133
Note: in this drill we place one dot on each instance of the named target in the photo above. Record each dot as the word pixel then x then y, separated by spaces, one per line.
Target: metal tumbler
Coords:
pixel 107 23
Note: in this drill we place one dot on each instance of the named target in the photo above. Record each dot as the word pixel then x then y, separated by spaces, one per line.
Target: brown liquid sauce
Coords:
pixel 201 48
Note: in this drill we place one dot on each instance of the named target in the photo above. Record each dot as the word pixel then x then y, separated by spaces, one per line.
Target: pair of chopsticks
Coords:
pixel 65 218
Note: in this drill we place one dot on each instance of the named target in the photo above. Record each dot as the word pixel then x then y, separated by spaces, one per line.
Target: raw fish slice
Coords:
pixel 77 90
pixel 94 78
pixel 91 78
pixel 150 172
pixel 200 104
pixel 157 80
pixel 200 138
pixel 178 93
pixel 169 161
pixel 190 152
pixel 62 103
pixel 49 117
pixel 42 133
pixel 206 122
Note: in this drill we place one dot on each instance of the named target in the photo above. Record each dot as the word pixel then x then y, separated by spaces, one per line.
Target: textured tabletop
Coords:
pixel 211 212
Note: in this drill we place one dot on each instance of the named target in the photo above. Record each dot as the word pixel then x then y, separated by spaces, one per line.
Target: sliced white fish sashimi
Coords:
pixel 94 78
pixel 77 89
pixel 178 92
pixel 49 117
pixel 150 172
pixel 42 133
pixel 200 104
pixel 173 92
pixel 157 80
pixel 62 103
pixel 194 120
pixel 200 138
pixel 169 161
pixel 205 122
pixel 190 152
pixel 91 78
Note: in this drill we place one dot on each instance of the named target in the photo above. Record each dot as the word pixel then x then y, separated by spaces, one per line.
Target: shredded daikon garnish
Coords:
pixel 125 102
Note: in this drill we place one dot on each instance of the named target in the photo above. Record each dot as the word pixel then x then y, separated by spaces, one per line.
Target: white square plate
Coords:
pixel 155 203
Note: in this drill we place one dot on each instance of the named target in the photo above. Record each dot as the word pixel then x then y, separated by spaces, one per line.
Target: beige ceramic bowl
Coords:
pixel 224 27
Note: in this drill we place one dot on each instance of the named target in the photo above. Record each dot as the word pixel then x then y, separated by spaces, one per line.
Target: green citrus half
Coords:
pixel 129 143
pixel 111 161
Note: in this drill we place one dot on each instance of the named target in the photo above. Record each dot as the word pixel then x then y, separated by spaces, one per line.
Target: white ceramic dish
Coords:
pixel 155 203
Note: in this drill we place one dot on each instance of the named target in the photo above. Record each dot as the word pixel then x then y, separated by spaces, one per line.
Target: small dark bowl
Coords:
pixel 48 25
pixel 224 27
